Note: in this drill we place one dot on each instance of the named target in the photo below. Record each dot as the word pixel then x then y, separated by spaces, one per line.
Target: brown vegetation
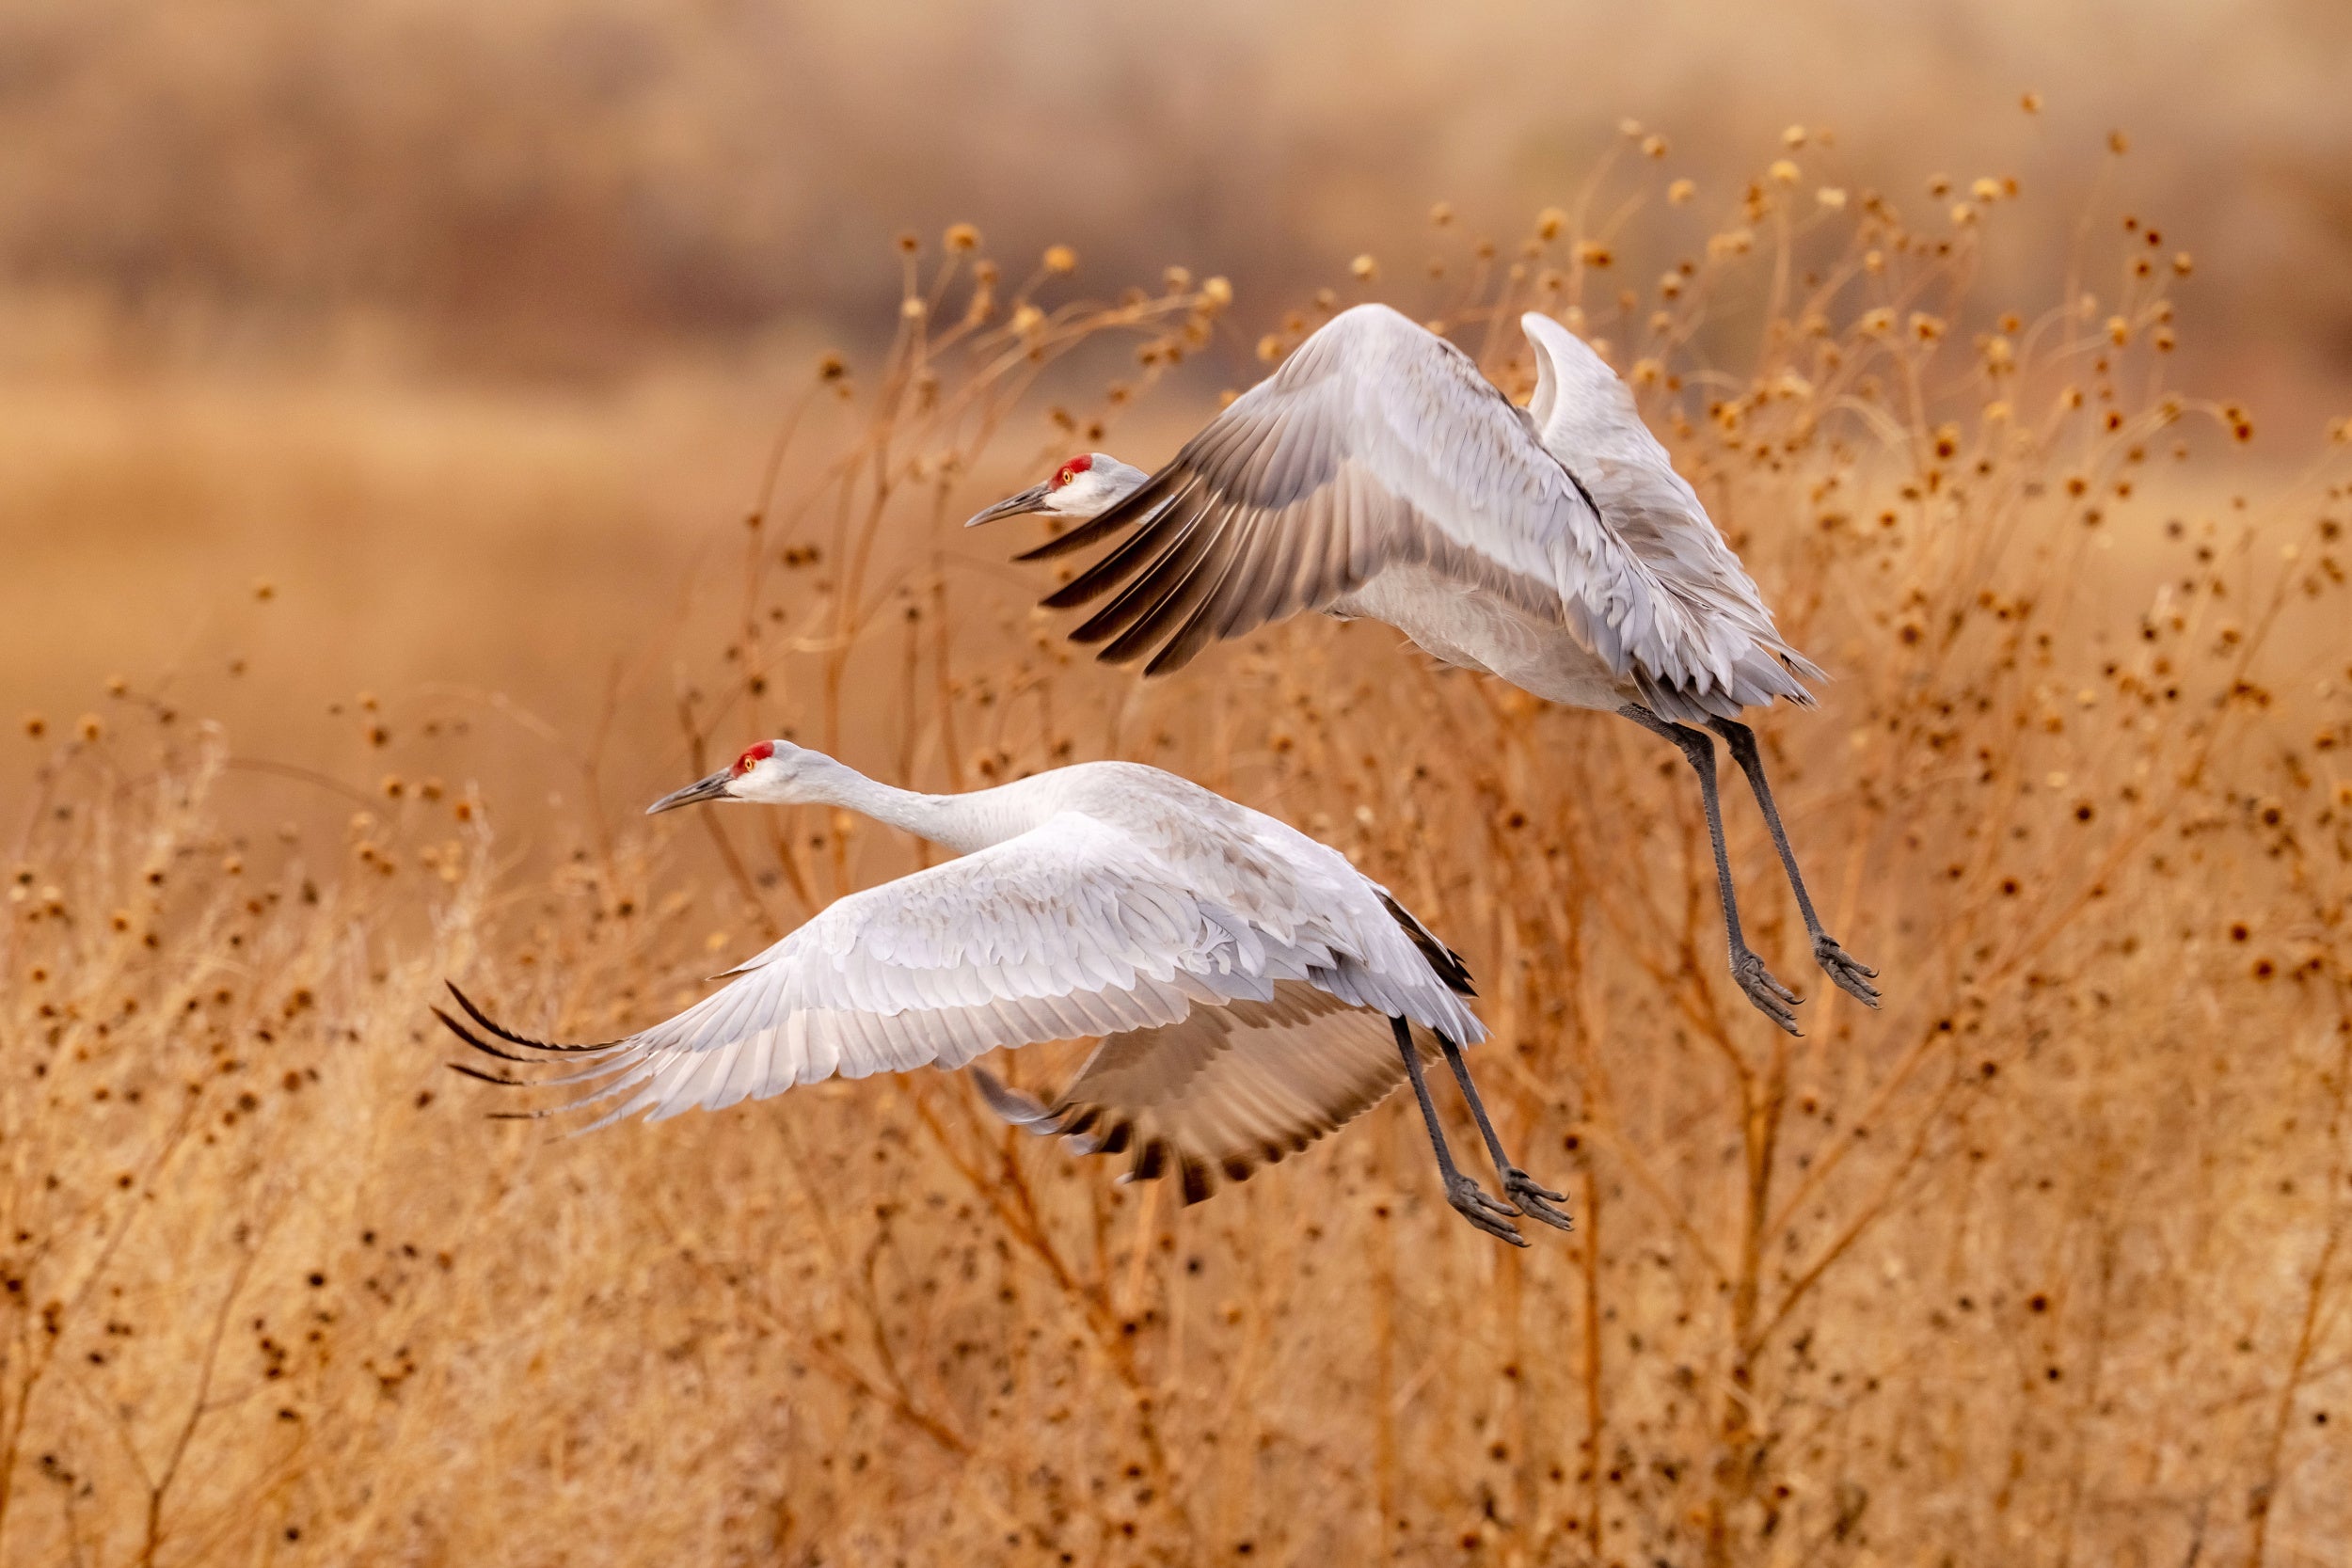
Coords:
pixel 2041 1264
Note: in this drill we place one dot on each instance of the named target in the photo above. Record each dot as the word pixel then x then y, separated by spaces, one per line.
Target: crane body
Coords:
pixel 1377 474
pixel 1252 990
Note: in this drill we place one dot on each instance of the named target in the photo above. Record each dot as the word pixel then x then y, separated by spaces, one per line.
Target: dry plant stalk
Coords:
pixel 2043 1262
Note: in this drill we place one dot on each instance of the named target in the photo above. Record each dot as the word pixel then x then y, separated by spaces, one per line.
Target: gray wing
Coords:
pixel 1070 929
pixel 1377 444
pixel 1224 1091
pixel 1586 417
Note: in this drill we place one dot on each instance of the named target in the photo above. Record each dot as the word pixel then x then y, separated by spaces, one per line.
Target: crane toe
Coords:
pixel 1483 1210
pixel 1772 998
pixel 1521 1189
pixel 1848 973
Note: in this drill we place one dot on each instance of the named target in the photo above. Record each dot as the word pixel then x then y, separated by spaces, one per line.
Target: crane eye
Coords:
pixel 754 756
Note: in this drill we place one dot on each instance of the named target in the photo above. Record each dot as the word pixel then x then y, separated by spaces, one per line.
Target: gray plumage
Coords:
pixel 1244 978
pixel 1377 473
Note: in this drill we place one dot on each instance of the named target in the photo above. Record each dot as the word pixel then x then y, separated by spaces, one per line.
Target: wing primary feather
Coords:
pixel 1154 579
pixel 1133 553
pixel 509 1035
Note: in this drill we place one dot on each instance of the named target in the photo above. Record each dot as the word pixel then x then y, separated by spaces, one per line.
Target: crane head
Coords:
pixel 775 771
pixel 1084 486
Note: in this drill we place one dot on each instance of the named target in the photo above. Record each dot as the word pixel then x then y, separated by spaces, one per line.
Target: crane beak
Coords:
pixel 1031 500
pixel 711 788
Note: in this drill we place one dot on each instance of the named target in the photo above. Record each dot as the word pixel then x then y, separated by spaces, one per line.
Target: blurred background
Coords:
pixel 568 187
pixel 231 234
pixel 391 382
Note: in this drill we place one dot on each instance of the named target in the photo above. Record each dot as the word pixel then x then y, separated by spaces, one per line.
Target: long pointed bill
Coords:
pixel 1031 500
pixel 711 788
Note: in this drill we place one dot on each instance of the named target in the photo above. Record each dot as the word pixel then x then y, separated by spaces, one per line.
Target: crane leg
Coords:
pixel 1517 1186
pixel 1772 998
pixel 1850 975
pixel 1489 1214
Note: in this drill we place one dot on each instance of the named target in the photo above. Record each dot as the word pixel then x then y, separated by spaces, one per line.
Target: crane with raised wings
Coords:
pixel 1251 989
pixel 1377 473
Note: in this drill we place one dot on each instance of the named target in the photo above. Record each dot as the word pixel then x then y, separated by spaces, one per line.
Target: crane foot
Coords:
pixel 1848 973
pixel 1772 998
pixel 1474 1204
pixel 1521 1190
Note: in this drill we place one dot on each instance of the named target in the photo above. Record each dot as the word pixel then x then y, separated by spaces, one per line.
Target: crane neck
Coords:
pixel 959 822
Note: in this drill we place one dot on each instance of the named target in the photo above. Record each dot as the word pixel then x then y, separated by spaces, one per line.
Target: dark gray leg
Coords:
pixel 1467 1196
pixel 1517 1186
pixel 1850 973
pixel 1772 998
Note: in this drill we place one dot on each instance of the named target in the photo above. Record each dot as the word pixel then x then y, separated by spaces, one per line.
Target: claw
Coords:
pixel 1772 998
pixel 1521 1189
pixel 1846 971
pixel 1472 1202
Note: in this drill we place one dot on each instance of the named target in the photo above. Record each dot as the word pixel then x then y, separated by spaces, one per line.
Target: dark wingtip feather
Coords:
pixel 508 1034
pixel 475 1041
pixel 1078 538
pixel 1448 964
pixel 1013 1105
pixel 1196 1180
pixel 487 1077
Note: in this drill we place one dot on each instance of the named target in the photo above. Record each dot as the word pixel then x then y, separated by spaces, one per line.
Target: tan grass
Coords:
pixel 2041 1264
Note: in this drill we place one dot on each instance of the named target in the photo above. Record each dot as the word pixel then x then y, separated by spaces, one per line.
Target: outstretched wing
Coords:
pixel 1586 417
pixel 1223 1092
pixel 1068 930
pixel 1377 444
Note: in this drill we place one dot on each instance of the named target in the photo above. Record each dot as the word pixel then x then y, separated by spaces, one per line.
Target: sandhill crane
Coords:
pixel 1252 988
pixel 1377 473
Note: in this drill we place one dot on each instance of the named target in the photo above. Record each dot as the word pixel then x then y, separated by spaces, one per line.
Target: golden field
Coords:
pixel 342 676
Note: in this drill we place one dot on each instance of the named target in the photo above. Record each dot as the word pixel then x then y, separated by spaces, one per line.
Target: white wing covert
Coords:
pixel 1586 417
pixel 1070 929
pixel 1380 444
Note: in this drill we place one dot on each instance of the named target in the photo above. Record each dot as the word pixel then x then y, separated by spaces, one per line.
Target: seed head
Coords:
pixel 265 590
pixel 1060 258
pixel 1654 147
pixel 962 236
pixel 1680 192
pixel 1441 214
pixel 1831 197
pixel 1364 267
pixel 2183 263
pixel 92 727
pixel 2118 143
pixel 1217 291
pixel 1549 222
pixel 1784 172
pixel 35 726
